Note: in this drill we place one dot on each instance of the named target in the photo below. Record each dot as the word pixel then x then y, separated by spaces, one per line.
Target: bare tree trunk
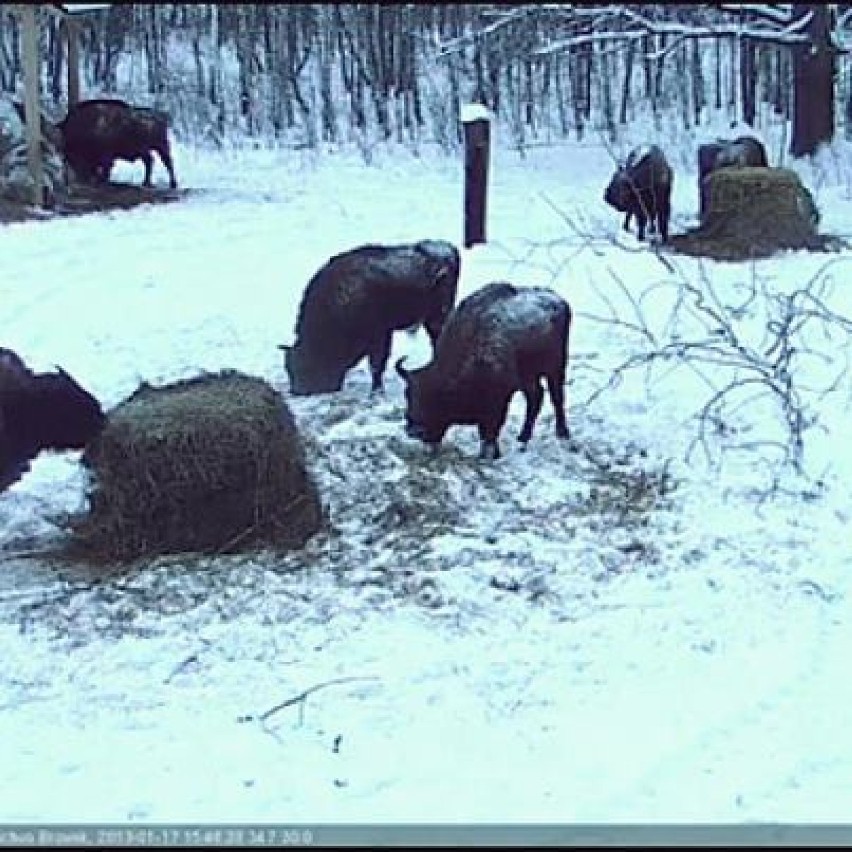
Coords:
pixel 154 51
pixel 659 98
pixel 732 80
pixel 55 53
pixel 494 63
pixel 813 74
pixel 479 93
pixel 412 119
pixel 605 78
pixel 245 50
pixel 625 86
pixel 682 85
pixel 647 66
pixel 215 87
pixel 699 100
pixel 747 80
pixel 200 77
pixel 529 95
pixel 576 77
pixel 325 57
pixel 586 81
pixel 717 72
pixel 561 97
pixel 7 70
pixel 354 76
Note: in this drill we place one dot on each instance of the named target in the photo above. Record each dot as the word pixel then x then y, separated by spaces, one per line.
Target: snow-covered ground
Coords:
pixel 614 632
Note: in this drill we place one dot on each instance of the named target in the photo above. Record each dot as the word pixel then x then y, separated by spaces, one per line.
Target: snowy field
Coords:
pixel 635 629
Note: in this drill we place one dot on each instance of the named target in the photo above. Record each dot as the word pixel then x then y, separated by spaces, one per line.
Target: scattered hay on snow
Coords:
pixel 213 464
pixel 752 213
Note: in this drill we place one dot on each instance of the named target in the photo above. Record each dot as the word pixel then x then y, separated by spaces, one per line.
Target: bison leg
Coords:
pixel 166 157
pixel 149 167
pixel 489 429
pixel 379 354
pixel 489 448
pixel 101 171
pixel 556 389
pixel 663 214
pixel 534 395
pixel 641 221
pixel 627 221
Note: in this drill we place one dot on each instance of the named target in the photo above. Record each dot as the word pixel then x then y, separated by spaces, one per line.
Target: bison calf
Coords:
pixel 642 187
pixel 352 306
pixel 40 411
pixel 96 133
pixel 499 340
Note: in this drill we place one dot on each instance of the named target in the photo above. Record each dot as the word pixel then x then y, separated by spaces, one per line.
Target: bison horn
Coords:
pixel 403 372
pixel 284 347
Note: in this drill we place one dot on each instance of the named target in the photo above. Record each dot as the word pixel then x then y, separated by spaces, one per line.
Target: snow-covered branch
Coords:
pixel 574 26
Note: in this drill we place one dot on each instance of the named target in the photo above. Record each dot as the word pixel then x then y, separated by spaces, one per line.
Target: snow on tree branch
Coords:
pixel 573 26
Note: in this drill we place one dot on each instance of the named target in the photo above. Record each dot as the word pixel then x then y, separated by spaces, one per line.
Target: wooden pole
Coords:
pixel 32 110
pixel 477 133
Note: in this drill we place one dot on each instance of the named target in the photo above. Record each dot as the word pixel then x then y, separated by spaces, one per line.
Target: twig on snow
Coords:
pixel 300 699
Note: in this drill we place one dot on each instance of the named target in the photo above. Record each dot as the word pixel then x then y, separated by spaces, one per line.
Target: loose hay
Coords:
pixel 753 213
pixel 213 463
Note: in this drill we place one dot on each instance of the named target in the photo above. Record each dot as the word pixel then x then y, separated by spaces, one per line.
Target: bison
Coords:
pixel 96 133
pixel 742 151
pixel 354 303
pixel 40 411
pixel 499 340
pixel 642 187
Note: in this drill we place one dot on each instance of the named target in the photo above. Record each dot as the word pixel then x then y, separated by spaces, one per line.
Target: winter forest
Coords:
pixel 647 621
pixel 305 74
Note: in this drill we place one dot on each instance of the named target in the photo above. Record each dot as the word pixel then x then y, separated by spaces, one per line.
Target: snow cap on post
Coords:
pixel 474 112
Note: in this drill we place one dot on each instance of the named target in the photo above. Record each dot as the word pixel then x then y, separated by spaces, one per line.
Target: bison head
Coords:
pixel 424 409
pixel 81 415
pixel 54 412
pixel 309 373
pixel 619 193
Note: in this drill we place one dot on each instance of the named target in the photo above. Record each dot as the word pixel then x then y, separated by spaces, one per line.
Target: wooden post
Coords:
pixel 73 41
pixel 477 133
pixel 32 110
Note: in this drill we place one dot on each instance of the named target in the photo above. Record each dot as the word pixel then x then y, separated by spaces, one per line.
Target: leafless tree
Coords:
pixel 307 71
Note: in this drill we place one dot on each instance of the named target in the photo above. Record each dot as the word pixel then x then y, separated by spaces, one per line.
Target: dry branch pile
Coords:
pixel 213 463
pixel 753 213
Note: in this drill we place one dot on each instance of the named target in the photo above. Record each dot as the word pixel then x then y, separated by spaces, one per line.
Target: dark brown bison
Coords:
pixel 40 411
pixel 642 187
pixel 499 340
pixel 352 306
pixel 96 133
pixel 742 151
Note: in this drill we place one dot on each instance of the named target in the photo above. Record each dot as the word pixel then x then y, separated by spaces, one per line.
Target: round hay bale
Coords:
pixel 213 463
pixel 754 212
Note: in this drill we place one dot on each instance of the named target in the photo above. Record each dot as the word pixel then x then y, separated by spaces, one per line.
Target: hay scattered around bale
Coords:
pixel 212 464
pixel 753 213
pixel 85 199
pixel 96 198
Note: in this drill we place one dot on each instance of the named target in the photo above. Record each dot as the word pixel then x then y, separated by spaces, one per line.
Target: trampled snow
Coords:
pixel 632 628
